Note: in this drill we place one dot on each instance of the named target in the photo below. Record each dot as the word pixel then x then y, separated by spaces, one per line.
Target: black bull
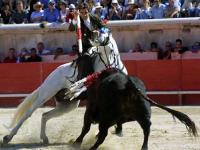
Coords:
pixel 115 98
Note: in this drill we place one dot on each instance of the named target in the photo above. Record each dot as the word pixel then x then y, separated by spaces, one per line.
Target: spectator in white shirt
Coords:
pixel 64 10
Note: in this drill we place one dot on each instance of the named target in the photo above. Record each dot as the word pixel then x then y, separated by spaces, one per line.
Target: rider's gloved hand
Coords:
pixel 96 33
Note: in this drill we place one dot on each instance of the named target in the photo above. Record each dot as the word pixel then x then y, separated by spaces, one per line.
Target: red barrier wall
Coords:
pixel 190 75
pixel 160 75
pixel 20 78
pixel 157 75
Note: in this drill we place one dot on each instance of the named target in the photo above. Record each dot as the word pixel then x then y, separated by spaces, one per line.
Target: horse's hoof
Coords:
pixel 78 140
pixel 96 136
pixel 45 140
pixel 76 145
pixel 144 148
pixel 92 148
pixel 6 139
pixel 118 133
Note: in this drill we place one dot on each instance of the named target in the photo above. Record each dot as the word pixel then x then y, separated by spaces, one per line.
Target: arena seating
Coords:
pixel 186 55
pixel 60 58
pixel 191 55
pixel 129 56
pixel 139 56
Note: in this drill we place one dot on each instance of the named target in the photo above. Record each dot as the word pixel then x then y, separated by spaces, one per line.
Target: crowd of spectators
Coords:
pixel 36 11
pixel 169 47
pixel 60 11
pixel 36 54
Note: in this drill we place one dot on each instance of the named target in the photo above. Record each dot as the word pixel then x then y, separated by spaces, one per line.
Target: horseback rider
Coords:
pixel 91 25
pixel 94 31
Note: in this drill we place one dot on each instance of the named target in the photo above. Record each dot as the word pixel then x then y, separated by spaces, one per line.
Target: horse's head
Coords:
pixel 85 66
pixel 100 38
pixel 105 51
pixel 106 55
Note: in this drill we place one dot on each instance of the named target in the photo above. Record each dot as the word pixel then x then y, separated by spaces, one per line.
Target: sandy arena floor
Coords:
pixel 165 133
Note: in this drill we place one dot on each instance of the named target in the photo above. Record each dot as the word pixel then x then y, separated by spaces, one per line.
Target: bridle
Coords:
pixel 93 54
pixel 109 64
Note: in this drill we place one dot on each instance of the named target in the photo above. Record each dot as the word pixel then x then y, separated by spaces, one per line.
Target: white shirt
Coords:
pixel 88 23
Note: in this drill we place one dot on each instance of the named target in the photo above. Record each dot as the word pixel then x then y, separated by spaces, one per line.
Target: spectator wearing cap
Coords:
pixel 51 14
pixel 130 11
pixel 115 12
pixel 70 14
pixel 20 15
pixel 37 15
pixel 98 11
pixel 157 10
pixel 63 10
pixel 30 7
pixel 46 3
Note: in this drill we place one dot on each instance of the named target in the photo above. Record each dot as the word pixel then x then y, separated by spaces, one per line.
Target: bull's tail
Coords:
pixel 23 107
pixel 190 125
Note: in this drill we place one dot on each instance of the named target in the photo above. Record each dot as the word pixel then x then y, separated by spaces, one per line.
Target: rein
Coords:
pixel 109 63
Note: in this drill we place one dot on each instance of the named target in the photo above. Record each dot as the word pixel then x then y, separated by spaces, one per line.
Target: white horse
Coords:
pixel 109 55
pixel 58 80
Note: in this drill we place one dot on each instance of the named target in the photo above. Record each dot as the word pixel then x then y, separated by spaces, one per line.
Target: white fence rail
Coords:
pixel 179 93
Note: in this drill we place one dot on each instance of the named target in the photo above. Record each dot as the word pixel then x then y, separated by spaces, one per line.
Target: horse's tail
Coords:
pixel 190 125
pixel 23 107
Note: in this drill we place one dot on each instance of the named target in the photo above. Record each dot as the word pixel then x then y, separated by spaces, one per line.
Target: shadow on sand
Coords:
pixel 36 145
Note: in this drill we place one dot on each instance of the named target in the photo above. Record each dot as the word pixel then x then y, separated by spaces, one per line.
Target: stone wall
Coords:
pixel 126 33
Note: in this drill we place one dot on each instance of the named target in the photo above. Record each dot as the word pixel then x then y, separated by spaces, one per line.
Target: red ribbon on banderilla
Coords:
pixel 79 34
pixel 80 86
